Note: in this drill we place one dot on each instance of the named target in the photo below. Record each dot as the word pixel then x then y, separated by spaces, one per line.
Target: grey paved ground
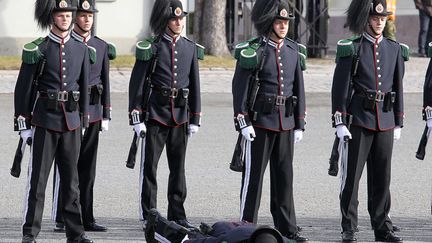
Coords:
pixel 213 189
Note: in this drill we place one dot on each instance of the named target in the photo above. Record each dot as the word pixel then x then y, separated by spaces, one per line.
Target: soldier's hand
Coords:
pixel 25 134
pixel 248 133
pixel 429 123
pixel 342 132
pixel 397 133
pixel 192 129
pixel 140 127
pixel 298 135
pixel 104 125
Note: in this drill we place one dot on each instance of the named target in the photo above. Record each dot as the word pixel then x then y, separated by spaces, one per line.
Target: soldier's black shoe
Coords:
pixel 28 239
pixel 81 239
pixel 297 237
pixel 95 227
pixel 348 236
pixel 59 227
pixel 396 228
pixel 185 223
pixel 387 236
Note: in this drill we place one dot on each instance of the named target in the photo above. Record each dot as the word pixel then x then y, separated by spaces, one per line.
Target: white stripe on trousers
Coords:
pixel 247 153
pixel 56 193
pixel 141 178
pixel 29 172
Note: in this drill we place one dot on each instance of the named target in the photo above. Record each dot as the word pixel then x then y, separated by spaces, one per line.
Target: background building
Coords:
pixel 123 22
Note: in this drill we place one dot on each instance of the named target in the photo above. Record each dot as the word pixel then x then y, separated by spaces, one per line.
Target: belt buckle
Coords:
pixel 379 96
pixel 62 96
pixel 280 100
pixel 174 93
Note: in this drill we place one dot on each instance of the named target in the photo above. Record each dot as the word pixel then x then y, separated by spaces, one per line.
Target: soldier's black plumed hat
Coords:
pixel 264 12
pixel 359 11
pixel 163 10
pixel 87 6
pixel 45 8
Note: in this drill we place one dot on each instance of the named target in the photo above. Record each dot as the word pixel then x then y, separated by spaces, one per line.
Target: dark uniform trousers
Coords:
pixel 279 148
pixel 376 148
pixel 87 174
pixel 45 146
pixel 175 139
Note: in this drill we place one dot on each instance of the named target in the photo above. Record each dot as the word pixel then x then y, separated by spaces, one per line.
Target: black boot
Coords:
pixel 348 236
pixel 387 236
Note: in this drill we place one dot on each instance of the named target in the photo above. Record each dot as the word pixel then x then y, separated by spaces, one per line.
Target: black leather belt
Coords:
pixel 166 91
pixel 60 95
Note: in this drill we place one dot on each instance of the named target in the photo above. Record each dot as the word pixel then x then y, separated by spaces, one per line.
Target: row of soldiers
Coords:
pixel 62 102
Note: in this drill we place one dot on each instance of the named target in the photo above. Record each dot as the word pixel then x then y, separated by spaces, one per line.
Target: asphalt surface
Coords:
pixel 213 190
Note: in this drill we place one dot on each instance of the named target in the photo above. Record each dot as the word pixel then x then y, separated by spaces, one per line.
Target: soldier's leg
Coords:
pixel 281 176
pixel 176 152
pixel 87 171
pixel 380 168
pixel 57 205
pixel 68 151
pixel 42 155
pixel 256 159
pixel 358 150
pixel 153 145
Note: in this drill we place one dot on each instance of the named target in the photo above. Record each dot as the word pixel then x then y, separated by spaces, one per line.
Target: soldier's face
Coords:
pixel 377 23
pixel 175 25
pixel 280 27
pixel 84 20
pixel 62 20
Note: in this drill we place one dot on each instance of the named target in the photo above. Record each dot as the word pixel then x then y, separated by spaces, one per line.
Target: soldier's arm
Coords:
pixel 240 87
pixel 340 86
pixel 398 88
pixel 427 87
pixel 299 91
pixel 105 98
pixel 24 89
pixel 84 80
pixel 194 91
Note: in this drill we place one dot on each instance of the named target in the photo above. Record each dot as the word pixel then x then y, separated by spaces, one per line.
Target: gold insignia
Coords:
pixel 178 11
pixel 283 13
pixel 63 4
pixel 379 8
pixel 85 5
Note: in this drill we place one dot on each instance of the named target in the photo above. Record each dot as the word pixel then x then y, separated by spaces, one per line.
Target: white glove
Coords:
pixel 429 123
pixel 28 133
pixel 192 129
pixel 298 135
pixel 104 125
pixel 248 133
pixel 397 133
pixel 342 131
pixel 140 127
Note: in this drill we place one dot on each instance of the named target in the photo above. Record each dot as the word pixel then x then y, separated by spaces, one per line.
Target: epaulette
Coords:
pixel 242 45
pixel 429 53
pixel 247 53
pixel 345 48
pixel 144 51
pixel 92 54
pixel 405 51
pixel 302 51
pixel 112 52
pixel 200 48
pixel 31 53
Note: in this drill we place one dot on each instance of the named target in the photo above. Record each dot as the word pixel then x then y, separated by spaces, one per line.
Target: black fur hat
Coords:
pixel 87 6
pixel 163 10
pixel 359 11
pixel 264 12
pixel 45 8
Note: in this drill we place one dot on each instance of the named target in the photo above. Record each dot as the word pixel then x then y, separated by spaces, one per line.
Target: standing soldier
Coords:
pixel 269 112
pixel 55 71
pixel 167 63
pixel 100 115
pixel 367 106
